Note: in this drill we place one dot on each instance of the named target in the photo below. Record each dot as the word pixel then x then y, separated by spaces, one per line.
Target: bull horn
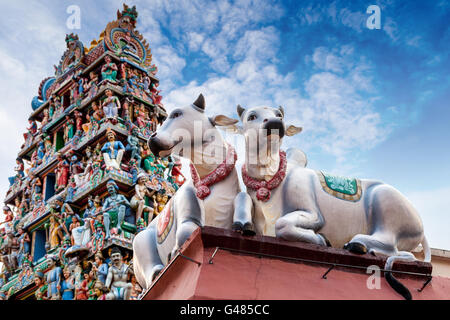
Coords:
pixel 240 110
pixel 200 102
pixel 281 110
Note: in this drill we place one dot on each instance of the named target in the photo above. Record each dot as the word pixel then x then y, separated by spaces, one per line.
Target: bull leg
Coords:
pixel 146 261
pixel 184 231
pixel 300 226
pixel 378 242
pixel 242 218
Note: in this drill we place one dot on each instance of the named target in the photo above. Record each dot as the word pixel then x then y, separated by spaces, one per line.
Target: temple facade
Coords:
pixel 85 180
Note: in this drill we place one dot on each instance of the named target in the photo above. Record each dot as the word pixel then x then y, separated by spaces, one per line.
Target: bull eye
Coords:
pixel 251 117
pixel 175 114
pixel 278 114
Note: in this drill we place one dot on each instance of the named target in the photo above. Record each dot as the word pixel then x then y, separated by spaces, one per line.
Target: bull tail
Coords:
pixel 426 250
pixel 393 282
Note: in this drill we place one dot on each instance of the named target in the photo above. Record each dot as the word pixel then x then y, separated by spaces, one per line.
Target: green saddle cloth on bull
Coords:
pixel 340 187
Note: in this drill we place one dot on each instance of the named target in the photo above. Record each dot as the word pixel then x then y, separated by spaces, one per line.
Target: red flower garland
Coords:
pixel 263 187
pixel 219 174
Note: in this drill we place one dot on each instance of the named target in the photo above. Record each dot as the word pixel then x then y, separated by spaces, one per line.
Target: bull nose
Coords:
pixel 154 144
pixel 274 126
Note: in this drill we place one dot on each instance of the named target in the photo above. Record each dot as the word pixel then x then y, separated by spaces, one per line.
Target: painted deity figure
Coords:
pixel 76 169
pixel 59 108
pixel 53 278
pixel 99 290
pixel 141 116
pixel 98 238
pixel 45 118
pixel 135 289
pixel 67 285
pixel 78 122
pixel 62 173
pixel 133 81
pixel 141 198
pixel 113 151
pixel 117 277
pixel 86 285
pixel 109 70
pixel 55 233
pixel 111 105
pixel 100 267
pixel 149 160
pixel 69 129
pixel 134 145
pixel 91 86
pixel 24 245
pixel 39 282
pixel 114 208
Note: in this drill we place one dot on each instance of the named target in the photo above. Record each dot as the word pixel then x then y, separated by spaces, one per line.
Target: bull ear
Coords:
pixel 293 130
pixel 222 120
pixel 240 110
pixel 200 102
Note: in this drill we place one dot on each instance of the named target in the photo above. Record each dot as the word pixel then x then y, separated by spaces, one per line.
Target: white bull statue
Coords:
pixel 207 199
pixel 290 201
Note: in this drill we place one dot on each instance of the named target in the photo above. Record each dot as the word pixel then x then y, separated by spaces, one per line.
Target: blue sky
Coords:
pixel 373 103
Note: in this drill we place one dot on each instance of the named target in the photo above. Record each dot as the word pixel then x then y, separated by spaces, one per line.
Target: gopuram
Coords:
pixel 85 180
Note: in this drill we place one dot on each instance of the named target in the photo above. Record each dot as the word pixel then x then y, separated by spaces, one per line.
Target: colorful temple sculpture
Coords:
pixel 86 182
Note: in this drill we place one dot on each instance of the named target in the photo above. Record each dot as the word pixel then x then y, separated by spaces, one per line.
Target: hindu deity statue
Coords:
pixel 98 238
pixel 100 267
pixel 133 82
pixel 86 285
pixel 76 169
pixel 62 173
pixel 117 277
pixel 109 70
pixel 39 281
pixel 135 289
pixel 134 145
pixel 55 232
pixel 31 131
pixel 156 98
pixel 158 203
pixel 149 159
pixel 111 105
pixel 67 285
pixel 114 208
pixel 19 167
pixel 112 151
pixel 141 198
pixel 133 169
pixel 91 86
pixel 59 108
pixel 45 118
pixel 141 116
pixel 24 245
pixel 99 290
pixel 36 189
pixel 78 122
pixel 69 129
pixel 53 278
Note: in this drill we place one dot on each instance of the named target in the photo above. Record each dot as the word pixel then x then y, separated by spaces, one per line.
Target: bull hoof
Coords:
pixel 156 270
pixel 356 247
pixel 237 227
pixel 327 242
pixel 248 229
